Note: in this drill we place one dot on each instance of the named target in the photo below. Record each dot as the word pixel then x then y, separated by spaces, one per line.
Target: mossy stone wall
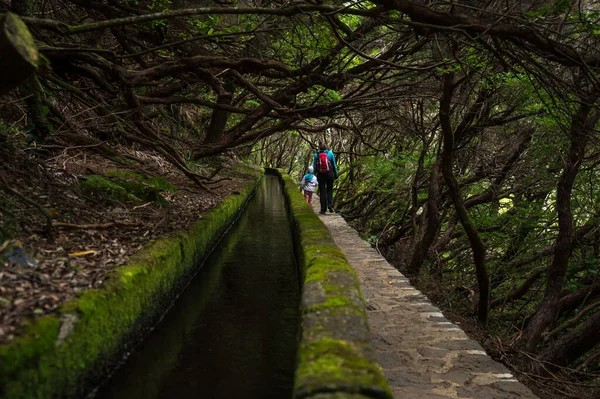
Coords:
pixel 335 359
pixel 63 355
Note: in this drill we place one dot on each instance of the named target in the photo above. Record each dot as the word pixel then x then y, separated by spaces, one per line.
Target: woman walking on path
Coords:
pixel 324 164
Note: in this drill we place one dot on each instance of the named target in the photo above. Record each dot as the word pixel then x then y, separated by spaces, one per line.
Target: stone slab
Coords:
pixel 423 354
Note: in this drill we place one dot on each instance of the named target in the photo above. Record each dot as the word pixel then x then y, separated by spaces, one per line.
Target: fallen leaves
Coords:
pixel 4 245
pixel 90 240
pixel 83 253
pixel 84 226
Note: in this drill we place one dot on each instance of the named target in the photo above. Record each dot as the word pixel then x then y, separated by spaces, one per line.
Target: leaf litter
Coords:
pixel 91 236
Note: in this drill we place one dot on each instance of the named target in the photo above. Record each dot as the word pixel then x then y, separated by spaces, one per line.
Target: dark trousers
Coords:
pixel 325 190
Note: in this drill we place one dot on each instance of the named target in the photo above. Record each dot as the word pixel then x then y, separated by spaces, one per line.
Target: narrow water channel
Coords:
pixel 233 332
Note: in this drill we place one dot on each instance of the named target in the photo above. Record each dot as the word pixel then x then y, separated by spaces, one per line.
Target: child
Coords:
pixel 309 184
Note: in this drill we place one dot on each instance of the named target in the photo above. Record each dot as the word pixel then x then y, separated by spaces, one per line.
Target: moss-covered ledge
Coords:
pixel 64 355
pixel 335 359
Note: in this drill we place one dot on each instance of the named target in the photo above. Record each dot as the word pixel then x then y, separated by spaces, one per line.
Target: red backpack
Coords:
pixel 323 165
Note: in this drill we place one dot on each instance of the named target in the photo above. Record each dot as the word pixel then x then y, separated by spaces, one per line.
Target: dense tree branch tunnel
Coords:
pixel 466 133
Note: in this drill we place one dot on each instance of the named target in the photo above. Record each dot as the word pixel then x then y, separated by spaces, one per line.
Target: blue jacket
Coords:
pixel 309 182
pixel 331 158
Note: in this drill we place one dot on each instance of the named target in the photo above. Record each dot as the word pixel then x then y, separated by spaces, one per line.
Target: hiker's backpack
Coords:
pixel 323 163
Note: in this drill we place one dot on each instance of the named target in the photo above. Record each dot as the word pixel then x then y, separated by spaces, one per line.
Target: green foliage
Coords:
pixel 587 21
pixel 450 67
pixel 319 95
pixel 206 25
pixel 251 103
pixel 159 6
pixel 351 21
pixel 303 42
pixel 7 131
pixel 553 8
pixel 371 239
pixel 388 174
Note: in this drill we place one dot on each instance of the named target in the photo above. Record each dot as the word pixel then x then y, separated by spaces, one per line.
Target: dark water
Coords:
pixel 233 332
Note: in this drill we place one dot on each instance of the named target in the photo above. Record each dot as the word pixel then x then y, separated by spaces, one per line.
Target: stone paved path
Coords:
pixel 423 355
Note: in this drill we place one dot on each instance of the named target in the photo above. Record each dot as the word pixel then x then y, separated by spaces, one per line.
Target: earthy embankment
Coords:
pixel 65 353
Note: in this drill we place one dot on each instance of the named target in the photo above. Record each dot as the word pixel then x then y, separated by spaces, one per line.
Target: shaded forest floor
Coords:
pixel 95 227
pixel 553 385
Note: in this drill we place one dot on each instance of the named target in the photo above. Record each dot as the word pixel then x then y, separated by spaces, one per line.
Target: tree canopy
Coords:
pixel 466 130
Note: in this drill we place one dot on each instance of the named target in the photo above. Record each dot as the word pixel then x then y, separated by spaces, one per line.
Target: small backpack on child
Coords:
pixel 306 179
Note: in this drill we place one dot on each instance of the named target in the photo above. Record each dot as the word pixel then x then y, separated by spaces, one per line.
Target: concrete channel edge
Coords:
pixel 66 354
pixel 335 359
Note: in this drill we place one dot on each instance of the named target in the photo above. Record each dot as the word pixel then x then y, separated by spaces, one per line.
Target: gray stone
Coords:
pixel 423 355
pixel 313 294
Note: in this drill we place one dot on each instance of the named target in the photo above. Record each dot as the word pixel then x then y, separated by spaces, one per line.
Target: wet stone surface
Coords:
pixel 422 353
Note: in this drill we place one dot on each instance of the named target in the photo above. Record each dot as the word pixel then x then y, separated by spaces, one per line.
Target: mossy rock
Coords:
pixel 333 365
pixel 157 182
pixel 126 186
pixel 20 58
pixel 100 186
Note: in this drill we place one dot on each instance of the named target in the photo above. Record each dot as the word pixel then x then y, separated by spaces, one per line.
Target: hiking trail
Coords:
pixel 423 354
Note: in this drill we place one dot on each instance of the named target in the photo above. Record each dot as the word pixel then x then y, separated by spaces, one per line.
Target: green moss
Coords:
pixel 339 305
pixel 320 269
pixel 19 35
pixel 334 289
pixel 127 186
pixel 133 296
pixel 333 359
pixel 157 182
pixel 109 319
pixel 330 365
pixel 327 367
pixel 98 185
pixel 333 302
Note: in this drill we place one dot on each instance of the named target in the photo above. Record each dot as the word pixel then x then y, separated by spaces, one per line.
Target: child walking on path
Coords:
pixel 309 184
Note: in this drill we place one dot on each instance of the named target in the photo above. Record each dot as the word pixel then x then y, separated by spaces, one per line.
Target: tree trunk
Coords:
pixel 19 58
pixel 455 194
pixel 571 301
pixel 546 312
pixel 31 88
pixel 433 222
pixel 218 121
pixel 573 344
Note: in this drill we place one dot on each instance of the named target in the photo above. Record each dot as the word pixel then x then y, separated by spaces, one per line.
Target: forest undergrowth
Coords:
pixel 70 218
pixel 544 380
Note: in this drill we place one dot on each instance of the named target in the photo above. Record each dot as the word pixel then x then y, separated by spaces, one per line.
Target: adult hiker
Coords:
pixel 326 168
